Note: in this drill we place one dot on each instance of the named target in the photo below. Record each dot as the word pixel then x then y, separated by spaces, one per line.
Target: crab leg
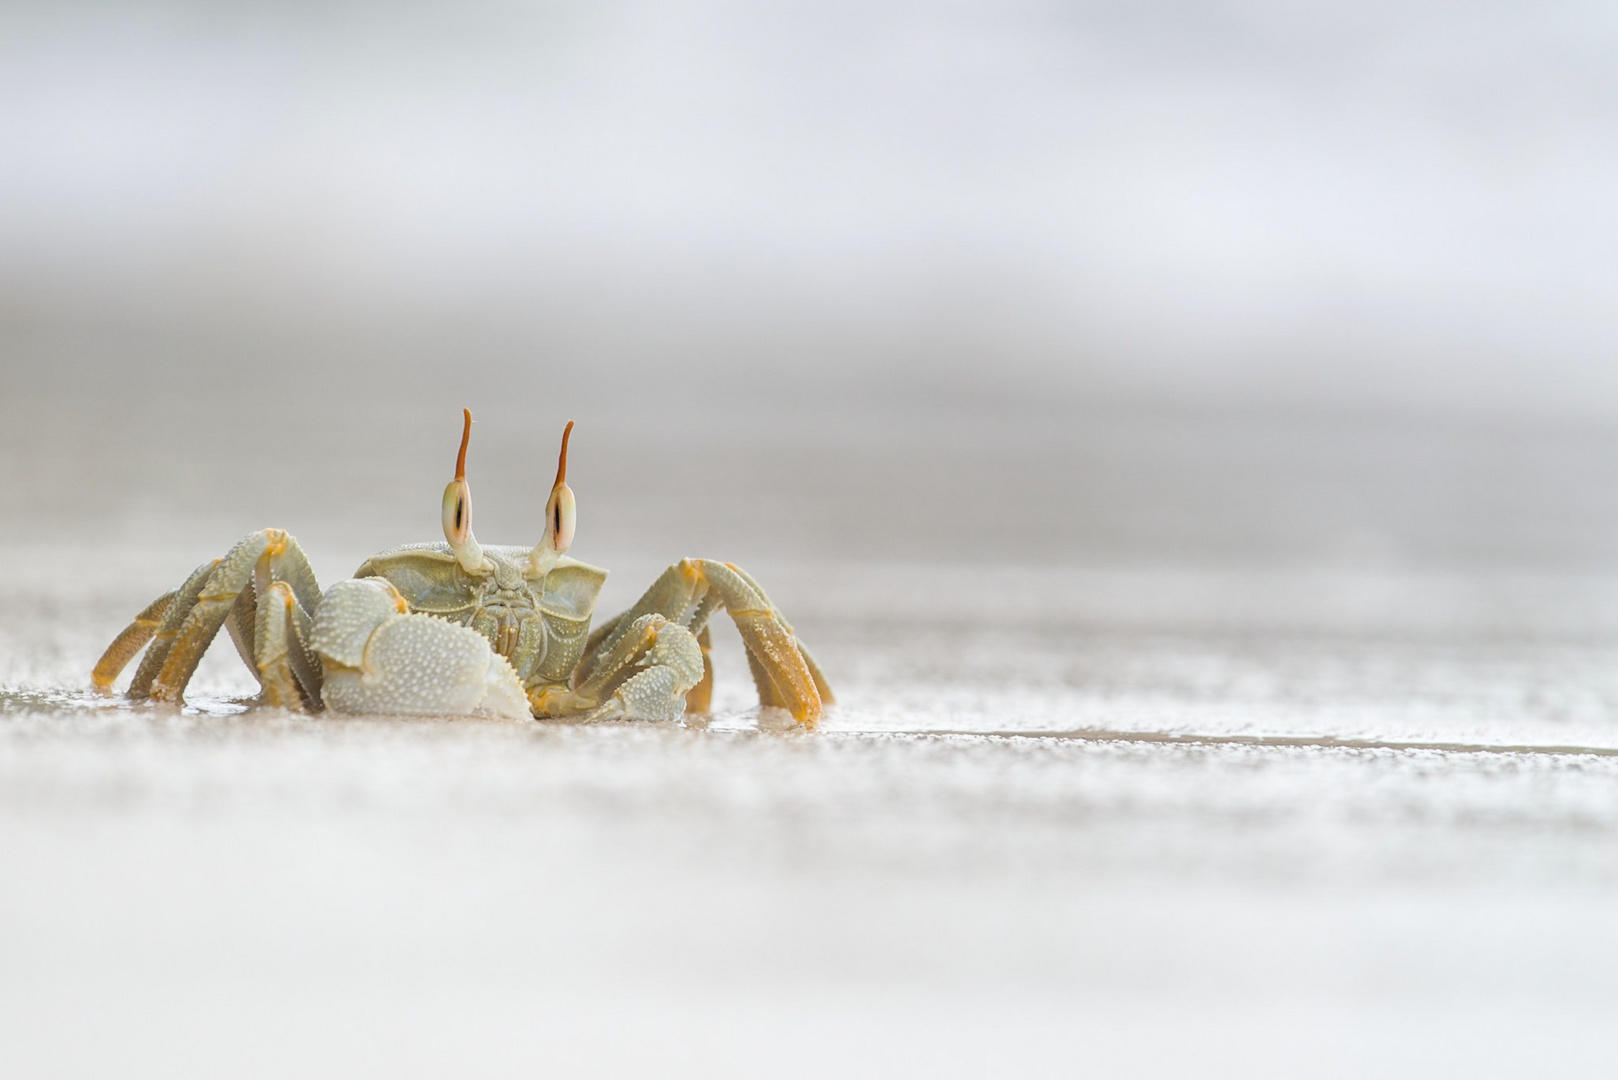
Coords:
pixel 699 698
pixel 646 674
pixel 131 641
pixel 289 673
pixel 821 686
pixel 687 594
pixel 777 664
pixel 200 609
pixel 185 598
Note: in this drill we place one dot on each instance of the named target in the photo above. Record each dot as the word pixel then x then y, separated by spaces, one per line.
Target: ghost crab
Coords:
pixel 455 627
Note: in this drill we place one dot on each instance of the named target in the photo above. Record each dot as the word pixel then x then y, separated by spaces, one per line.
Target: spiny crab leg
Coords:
pixel 200 609
pixel 699 699
pixel 646 674
pixel 133 639
pixel 780 666
pixel 821 686
pixel 687 594
pixel 185 598
pixel 288 671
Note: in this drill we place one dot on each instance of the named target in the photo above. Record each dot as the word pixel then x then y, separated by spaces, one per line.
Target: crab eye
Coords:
pixel 457 512
pixel 560 517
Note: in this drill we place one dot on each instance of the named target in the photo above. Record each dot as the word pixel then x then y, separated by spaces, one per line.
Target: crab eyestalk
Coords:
pixel 458 511
pixel 559 516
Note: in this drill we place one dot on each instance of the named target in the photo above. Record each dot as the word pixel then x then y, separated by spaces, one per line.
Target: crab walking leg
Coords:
pixel 824 688
pixel 688 592
pixel 768 696
pixel 699 698
pixel 288 671
pixel 185 598
pixel 287 668
pixel 769 642
pixel 265 556
pixel 646 674
pixel 131 641
pixel 271 633
pixel 675 595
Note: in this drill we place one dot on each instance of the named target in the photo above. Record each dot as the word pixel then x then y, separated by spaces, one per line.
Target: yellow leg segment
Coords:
pixel 687 594
pixel 131 641
pixel 699 699
pixel 251 588
pixel 290 674
pixel 185 598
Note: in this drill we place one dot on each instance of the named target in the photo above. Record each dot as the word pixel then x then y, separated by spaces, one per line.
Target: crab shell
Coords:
pixel 537 618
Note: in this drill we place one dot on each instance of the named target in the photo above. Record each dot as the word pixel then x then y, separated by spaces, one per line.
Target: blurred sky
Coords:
pixel 1390 203
pixel 706 216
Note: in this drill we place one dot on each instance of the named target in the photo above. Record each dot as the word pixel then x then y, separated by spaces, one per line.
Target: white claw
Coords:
pixel 378 659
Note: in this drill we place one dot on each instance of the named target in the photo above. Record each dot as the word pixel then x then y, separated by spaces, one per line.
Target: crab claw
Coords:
pixel 379 658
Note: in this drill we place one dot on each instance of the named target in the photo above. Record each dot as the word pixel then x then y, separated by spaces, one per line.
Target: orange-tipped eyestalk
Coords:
pixel 458 511
pixel 466 437
pixel 560 515
pixel 561 462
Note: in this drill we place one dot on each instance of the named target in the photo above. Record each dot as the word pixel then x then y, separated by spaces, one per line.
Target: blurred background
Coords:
pixel 1158 281
pixel 1186 431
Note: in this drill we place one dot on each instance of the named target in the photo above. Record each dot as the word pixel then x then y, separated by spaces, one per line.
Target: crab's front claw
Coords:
pixel 379 658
